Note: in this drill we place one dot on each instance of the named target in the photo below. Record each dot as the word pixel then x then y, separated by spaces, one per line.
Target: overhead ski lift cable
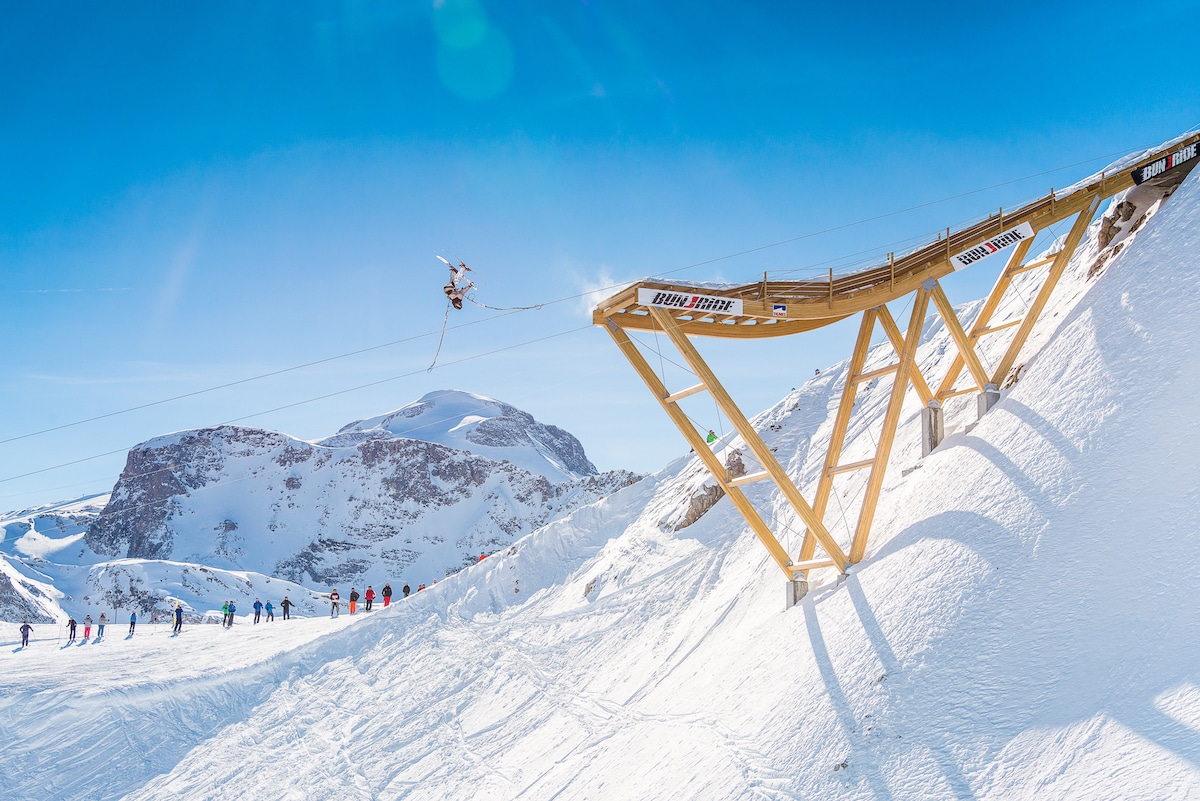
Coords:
pixel 170 467
pixel 567 298
pixel 276 468
pixel 247 380
pixel 314 400
pixel 661 359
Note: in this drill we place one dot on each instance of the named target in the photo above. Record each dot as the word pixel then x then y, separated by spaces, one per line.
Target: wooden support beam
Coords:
pixel 914 374
pixel 965 347
pixel 837 437
pixel 956 392
pixel 753 441
pixel 683 393
pixel 1061 259
pixel 749 478
pixel 710 460
pixel 891 419
pixel 991 329
pixel 1033 265
pixel 813 564
pixel 882 371
pixel 984 317
pixel 850 467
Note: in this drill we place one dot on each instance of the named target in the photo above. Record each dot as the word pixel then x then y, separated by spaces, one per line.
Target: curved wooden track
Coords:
pixel 782 308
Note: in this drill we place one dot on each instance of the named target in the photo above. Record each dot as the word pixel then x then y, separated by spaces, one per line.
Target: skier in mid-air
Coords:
pixel 458 285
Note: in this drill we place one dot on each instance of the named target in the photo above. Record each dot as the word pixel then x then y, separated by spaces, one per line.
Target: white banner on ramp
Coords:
pixel 994 245
pixel 686 300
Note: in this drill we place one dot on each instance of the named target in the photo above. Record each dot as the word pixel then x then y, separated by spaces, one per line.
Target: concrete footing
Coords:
pixel 797 588
pixel 987 399
pixel 933 429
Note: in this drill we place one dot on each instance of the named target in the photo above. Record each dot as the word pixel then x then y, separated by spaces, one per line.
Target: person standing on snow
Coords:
pixel 406 589
pixel 26 630
pixel 178 618
pixel 71 630
pixel 232 612
pixel 270 612
pixel 286 605
pixel 387 594
pixel 87 626
pixel 333 602
pixel 257 610
pixel 132 622
pixel 103 623
pixel 225 615
pixel 368 596
pixel 353 599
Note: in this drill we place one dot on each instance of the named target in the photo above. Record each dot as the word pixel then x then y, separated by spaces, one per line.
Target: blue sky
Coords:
pixel 197 195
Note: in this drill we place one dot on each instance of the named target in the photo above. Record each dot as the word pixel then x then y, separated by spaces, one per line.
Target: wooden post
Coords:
pixel 1056 270
pixel 702 448
pixel 753 441
pixel 946 389
pixel 914 372
pixel 965 349
pixel 875 483
pixel 837 437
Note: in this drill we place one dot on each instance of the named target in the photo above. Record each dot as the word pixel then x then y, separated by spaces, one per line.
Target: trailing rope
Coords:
pixel 504 308
pixel 445 317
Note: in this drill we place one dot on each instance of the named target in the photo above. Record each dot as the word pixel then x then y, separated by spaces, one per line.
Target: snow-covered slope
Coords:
pixel 236 506
pixel 1022 627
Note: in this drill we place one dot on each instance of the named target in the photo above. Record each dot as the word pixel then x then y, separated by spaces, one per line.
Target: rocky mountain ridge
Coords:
pixel 366 505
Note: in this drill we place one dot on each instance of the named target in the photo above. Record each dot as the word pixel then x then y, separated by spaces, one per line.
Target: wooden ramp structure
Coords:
pixel 783 308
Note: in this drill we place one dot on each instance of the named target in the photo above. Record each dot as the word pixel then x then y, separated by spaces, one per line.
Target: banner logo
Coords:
pixel 682 300
pixel 778 310
pixel 994 245
pixel 1157 168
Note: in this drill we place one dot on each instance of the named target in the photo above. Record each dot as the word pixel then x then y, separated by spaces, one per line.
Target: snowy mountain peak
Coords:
pixel 479 424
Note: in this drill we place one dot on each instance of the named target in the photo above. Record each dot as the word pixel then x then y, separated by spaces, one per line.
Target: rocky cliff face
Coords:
pixel 364 505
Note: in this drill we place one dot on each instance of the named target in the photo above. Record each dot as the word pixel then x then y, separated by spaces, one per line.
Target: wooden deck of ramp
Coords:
pixel 783 308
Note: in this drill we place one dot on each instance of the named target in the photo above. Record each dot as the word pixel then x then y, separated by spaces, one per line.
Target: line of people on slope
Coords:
pixel 335 598
pixel 72 628
pixel 229 609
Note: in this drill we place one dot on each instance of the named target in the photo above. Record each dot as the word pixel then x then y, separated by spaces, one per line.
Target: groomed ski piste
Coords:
pixel 1024 625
